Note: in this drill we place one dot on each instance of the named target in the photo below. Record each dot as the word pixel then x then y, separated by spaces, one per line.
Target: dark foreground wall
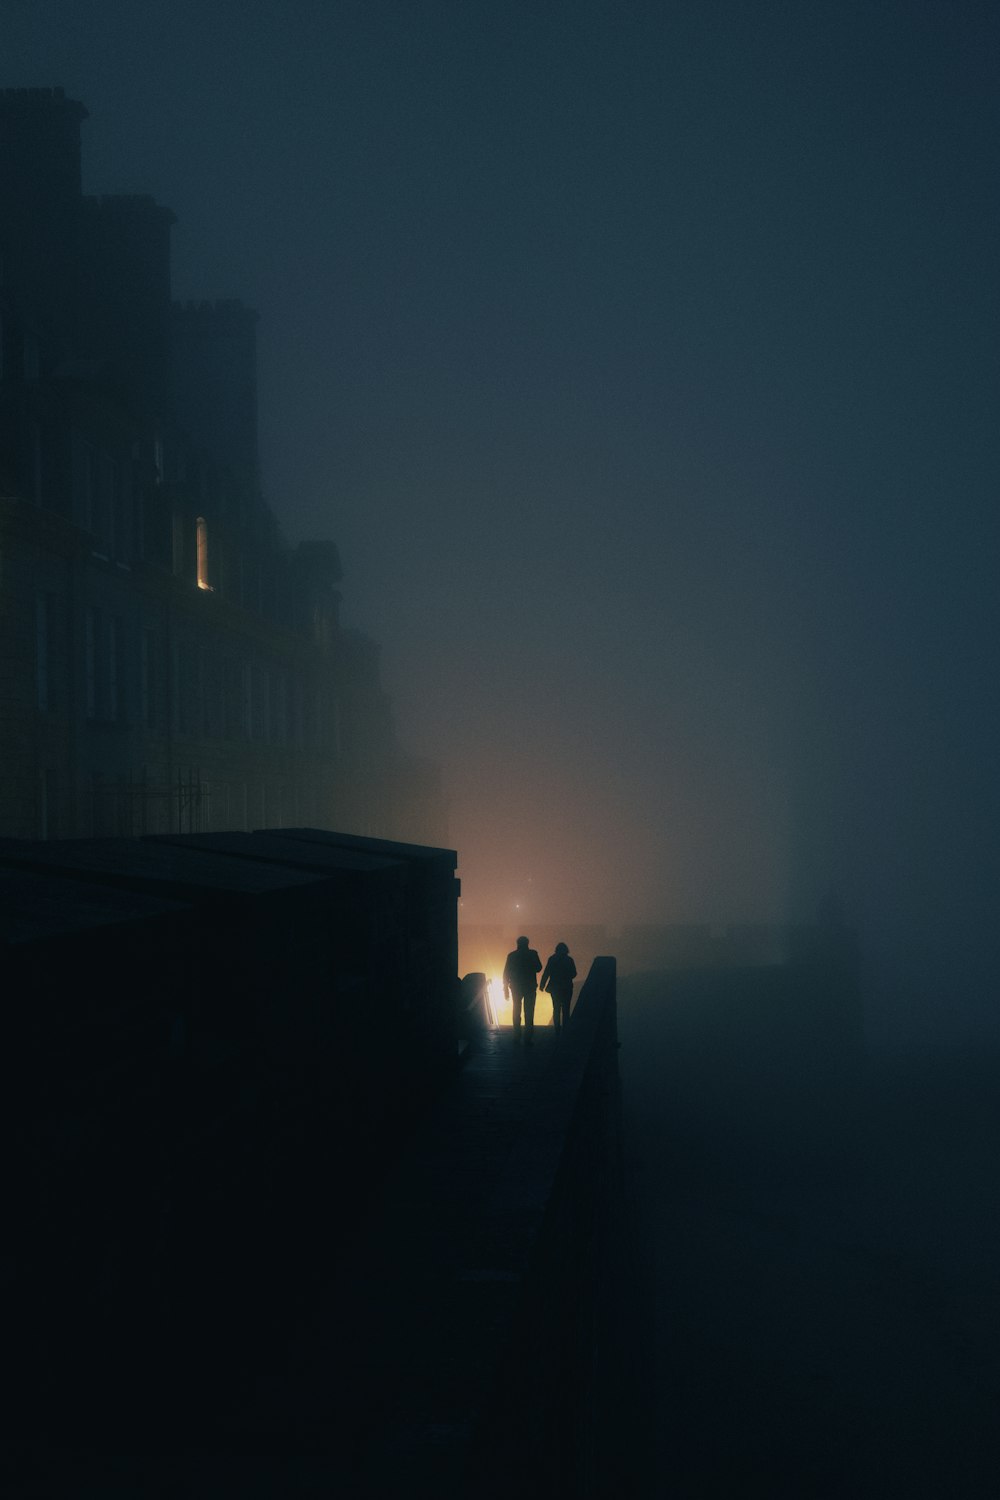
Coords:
pixel 211 1048
pixel 222 1273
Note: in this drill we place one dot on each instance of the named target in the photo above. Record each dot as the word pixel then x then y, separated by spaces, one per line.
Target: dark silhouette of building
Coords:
pixel 167 660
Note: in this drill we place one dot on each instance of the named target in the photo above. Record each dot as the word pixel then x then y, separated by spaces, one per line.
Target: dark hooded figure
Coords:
pixel 520 981
pixel 560 971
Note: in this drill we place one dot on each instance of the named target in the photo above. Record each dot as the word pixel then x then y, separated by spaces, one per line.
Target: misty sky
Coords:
pixel 642 358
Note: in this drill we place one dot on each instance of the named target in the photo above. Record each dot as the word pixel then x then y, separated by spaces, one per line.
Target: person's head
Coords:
pixel 522 942
pixel 561 949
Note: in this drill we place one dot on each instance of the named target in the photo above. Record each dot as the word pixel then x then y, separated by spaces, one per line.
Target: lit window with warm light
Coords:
pixel 201 534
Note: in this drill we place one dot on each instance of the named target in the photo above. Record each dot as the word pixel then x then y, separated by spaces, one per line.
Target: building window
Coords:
pixel 199 685
pixel 36 462
pixel 118 514
pixel 230 698
pixel 91 632
pixel 295 710
pixel 309 714
pixel 138 523
pixel 246 707
pixel 110 485
pixel 174 690
pixel 47 810
pixel 277 734
pixel 264 705
pixel 92 491
pixel 148 678
pixel 178 543
pixel 183 695
pixel 115 670
pixel 201 531
pixel 43 649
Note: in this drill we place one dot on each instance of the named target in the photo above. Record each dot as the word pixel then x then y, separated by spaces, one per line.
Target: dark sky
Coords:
pixel 642 358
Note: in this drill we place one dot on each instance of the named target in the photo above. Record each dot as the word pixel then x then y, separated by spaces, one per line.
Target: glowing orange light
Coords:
pixel 201 537
pixel 496 1002
pixel 501 1011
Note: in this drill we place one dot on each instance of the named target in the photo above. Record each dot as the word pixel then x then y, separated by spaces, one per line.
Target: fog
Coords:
pixel 642 362
pixel 823 1251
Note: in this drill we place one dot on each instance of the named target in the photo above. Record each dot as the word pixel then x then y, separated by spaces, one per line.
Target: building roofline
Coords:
pixel 41 98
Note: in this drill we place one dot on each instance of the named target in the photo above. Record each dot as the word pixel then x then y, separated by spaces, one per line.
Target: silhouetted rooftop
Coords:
pixel 162 869
pixel 280 850
pixel 370 845
pixel 34 907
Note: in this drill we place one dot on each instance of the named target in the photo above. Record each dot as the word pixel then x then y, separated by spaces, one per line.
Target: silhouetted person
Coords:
pixel 520 983
pixel 560 971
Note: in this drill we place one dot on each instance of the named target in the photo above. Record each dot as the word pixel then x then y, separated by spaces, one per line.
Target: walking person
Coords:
pixel 558 976
pixel 520 983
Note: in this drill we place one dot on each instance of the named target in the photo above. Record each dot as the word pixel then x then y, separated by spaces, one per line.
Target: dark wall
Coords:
pixel 211 1057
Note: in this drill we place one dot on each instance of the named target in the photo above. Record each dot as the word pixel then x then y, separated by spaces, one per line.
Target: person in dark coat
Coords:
pixel 520 983
pixel 558 976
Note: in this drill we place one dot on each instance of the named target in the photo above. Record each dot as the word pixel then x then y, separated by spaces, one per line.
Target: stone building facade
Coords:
pixel 167 661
